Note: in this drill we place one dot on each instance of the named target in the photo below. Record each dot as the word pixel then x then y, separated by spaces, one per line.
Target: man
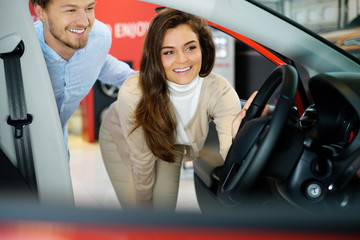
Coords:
pixel 76 50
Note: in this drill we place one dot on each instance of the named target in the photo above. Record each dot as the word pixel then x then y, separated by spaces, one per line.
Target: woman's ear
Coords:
pixel 40 12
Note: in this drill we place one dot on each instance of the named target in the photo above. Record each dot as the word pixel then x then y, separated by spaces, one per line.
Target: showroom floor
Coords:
pixel 91 184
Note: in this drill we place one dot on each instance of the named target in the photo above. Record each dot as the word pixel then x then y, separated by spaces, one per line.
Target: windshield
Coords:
pixel 336 20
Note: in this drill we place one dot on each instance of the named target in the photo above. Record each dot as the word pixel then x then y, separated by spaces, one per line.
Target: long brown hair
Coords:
pixel 155 113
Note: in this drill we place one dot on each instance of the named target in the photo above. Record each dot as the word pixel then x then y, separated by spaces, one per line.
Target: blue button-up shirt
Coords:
pixel 72 80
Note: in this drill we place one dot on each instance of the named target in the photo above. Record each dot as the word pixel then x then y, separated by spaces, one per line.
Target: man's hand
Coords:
pixel 237 121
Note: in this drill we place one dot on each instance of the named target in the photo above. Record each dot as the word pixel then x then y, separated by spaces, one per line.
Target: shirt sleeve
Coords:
pixel 226 107
pixel 114 71
pixel 142 158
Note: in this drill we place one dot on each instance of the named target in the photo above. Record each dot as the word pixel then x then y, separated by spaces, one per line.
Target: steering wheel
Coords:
pixel 256 139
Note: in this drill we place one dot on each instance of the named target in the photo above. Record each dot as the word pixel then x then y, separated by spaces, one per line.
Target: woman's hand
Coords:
pixel 237 121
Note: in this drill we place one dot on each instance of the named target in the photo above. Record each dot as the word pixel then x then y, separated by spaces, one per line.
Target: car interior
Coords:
pixel 309 162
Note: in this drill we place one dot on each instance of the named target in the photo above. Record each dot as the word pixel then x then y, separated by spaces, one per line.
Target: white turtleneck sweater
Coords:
pixel 185 100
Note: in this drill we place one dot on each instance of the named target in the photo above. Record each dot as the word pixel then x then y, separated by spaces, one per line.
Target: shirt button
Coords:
pixel 66 89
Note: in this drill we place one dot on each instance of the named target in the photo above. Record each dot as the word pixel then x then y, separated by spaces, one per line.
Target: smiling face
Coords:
pixel 67 24
pixel 181 55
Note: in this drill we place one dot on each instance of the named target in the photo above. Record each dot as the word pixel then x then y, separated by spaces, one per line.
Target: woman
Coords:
pixel 162 114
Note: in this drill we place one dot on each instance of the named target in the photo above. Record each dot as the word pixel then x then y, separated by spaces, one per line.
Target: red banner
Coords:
pixel 128 21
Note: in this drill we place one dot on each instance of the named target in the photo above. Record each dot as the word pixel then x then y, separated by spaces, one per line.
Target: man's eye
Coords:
pixel 90 9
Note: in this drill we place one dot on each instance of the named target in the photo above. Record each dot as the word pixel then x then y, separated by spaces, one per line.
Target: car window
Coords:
pixel 245 68
pixel 336 20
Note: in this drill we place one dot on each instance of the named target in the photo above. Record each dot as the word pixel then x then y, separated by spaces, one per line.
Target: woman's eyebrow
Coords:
pixel 190 42
pixel 166 47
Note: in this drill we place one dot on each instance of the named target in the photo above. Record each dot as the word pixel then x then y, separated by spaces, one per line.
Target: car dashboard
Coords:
pixel 325 174
pixel 337 100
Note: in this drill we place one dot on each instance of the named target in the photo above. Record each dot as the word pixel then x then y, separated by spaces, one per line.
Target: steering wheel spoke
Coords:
pixel 255 140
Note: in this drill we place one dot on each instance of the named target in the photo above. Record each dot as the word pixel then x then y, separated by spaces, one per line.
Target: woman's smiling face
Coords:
pixel 181 55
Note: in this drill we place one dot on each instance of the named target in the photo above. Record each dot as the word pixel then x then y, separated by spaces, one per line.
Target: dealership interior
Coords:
pixel 89 178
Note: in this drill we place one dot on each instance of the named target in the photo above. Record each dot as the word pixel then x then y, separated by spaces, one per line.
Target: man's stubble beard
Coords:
pixel 62 37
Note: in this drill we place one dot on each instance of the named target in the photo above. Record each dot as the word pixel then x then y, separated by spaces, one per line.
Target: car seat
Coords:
pixel 50 160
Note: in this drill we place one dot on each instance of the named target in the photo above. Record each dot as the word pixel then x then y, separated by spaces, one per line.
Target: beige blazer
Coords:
pixel 218 100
